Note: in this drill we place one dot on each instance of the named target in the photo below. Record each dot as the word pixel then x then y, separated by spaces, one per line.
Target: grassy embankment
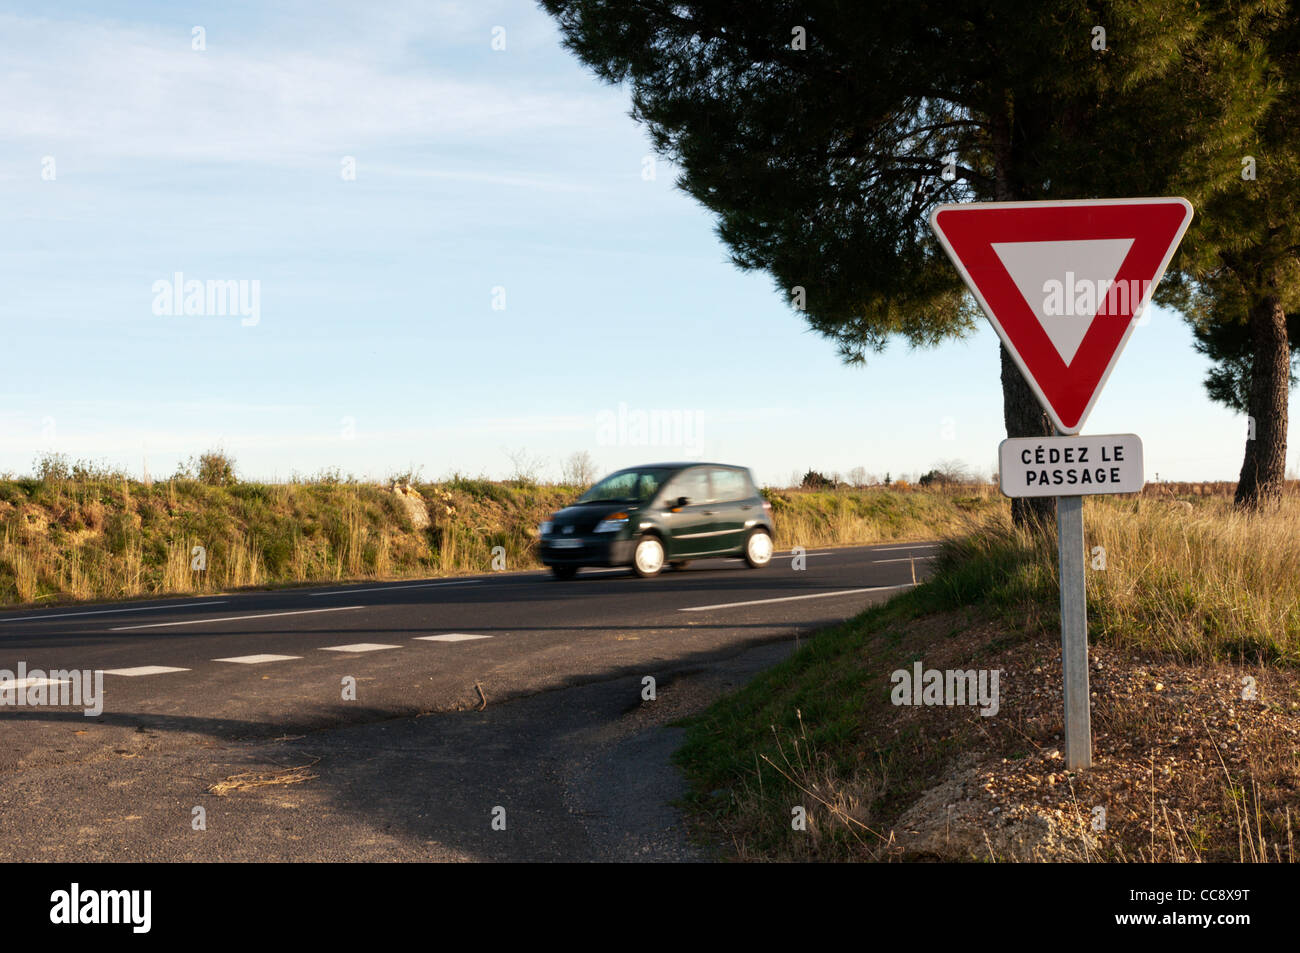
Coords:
pixel 1195 631
pixel 64 538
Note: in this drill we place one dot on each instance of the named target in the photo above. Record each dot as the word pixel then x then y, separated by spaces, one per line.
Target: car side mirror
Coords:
pixel 683 501
pixel 677 504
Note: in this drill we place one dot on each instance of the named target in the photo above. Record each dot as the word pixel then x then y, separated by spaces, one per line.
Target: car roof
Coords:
pixel 684 465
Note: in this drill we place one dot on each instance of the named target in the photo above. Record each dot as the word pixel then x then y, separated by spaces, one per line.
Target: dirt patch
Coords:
pixel 1189 761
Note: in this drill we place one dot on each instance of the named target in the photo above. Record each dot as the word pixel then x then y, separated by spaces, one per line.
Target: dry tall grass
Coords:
pixel 65 538
pixel 856 517
pixel 1209 582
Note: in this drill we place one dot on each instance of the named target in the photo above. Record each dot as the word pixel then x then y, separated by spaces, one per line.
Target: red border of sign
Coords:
pixel 968 233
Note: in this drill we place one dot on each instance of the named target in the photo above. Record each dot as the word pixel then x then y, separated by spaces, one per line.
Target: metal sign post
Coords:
pixel 1074 632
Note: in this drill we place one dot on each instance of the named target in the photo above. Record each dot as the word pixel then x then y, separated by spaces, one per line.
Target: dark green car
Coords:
pixel 663 513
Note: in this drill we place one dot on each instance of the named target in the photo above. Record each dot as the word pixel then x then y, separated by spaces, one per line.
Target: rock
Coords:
pixel 414 504
pixel 950 822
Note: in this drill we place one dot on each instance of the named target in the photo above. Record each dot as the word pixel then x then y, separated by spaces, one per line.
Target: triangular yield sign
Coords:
pixel 1062 283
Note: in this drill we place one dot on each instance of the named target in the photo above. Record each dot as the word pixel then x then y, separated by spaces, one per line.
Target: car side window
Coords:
pixel 729 486
pixel 649 486
pixel 692 484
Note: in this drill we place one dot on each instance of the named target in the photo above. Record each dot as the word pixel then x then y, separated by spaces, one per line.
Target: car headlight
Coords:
pixel 612 523
pixel 545 528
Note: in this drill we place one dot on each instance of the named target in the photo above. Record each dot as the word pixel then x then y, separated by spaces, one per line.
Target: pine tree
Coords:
pixel 1242 271
pixel 822 133
pixel 1228 343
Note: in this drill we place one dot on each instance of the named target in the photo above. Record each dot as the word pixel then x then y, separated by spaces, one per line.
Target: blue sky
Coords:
pixel 377 347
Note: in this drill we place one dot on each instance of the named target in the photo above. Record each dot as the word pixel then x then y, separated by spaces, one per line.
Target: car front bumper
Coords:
pixel 596 550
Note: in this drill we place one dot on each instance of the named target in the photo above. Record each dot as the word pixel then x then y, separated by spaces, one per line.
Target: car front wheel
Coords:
pixel 564 572
pixel 648 557
pixel 758 549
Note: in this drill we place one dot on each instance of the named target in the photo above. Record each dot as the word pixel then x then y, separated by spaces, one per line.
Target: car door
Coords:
pixel 690 527
pixel 732 507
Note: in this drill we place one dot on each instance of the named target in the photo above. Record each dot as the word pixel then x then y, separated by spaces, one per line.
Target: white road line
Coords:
pixel 887 549
pixel 782 555
pixel 422 585
pixel 815 595
pixel 7 686
pixel 358 647
pixel 451 637
pixel 903 559
pixel 257 659
pixel 69 615
pixel 232 618
pixel 143 670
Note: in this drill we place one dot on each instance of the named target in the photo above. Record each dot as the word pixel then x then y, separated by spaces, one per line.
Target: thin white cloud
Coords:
pixel 537 183
pixel 113 90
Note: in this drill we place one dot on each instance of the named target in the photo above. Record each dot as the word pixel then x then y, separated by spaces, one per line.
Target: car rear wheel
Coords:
pixel 648 557
pixel 564 572
pixel 758 549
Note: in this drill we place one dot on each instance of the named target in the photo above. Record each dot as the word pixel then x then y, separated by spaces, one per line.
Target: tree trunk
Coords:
pixel 1021 412
pixel 1024 417
pixel 1263 470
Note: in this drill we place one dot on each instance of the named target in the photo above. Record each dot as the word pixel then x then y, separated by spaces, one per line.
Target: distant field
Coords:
pixel 65 539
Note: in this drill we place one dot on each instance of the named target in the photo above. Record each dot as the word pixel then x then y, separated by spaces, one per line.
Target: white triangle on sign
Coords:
pixel 1032 265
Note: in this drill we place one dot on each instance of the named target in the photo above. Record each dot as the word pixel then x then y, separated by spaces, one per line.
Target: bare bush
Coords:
pixel 526 470
pixel 579 470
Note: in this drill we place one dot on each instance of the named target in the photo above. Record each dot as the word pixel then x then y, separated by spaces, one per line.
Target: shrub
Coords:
pixel 812 480
pixel 214 468
pixel 53 468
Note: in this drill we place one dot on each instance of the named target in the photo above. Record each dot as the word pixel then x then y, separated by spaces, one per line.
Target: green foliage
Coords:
pixel 252 492
pixel 822 164
pixel 1240 270
pixel 215 468
pixel 118 532
pixel 812 480
pixel 53 468
pixel 1227 343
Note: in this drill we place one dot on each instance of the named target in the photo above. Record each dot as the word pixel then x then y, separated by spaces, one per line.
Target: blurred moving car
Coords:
pixel 664 513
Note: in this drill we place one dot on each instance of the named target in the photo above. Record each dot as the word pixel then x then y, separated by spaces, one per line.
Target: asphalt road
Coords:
pixel 509 691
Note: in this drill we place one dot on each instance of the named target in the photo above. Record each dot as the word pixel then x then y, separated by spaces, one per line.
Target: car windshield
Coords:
pixel 627 486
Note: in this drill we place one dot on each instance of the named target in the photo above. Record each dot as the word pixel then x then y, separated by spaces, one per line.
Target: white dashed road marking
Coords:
pixel 886 549
pixel 7 687
pixel 143 670
pixel 815 595
pixel 257 659
pixel 232 618
pixel 358 647
pixel 421 585
pixel 451 637
pixel 904 559
pixel 69 615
